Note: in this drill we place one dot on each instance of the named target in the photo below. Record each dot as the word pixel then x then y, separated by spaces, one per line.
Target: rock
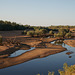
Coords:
pixel 68 53
pixel 70 56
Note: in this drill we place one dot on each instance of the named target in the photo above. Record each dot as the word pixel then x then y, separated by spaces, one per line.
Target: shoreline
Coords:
pixel 70 42
pixel 43 49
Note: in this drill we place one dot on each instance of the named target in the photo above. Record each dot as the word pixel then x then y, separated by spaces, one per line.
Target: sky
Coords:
pixel 38 12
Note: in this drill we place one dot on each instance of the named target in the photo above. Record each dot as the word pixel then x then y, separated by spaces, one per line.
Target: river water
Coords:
pixel 42 65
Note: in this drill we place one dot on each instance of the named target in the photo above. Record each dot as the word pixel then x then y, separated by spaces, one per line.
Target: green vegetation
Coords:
pixel 51 32
pixel 39 31
pixel 67 70
pixel 49 73
pixel 24 32
pixel 0 39
pixel 68 35
pixel 7 25
pixel 44 32
pixel 30 33
pixel 63 33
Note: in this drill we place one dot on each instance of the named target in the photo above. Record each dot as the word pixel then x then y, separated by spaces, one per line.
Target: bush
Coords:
pixel 30 33
pixel 58 35
pixel 55 35
pixel 43 31
pixel 62 32
pixel 49 73
pixel 0 39
pixel 68 35
pixel 51 32
pixel 24 32
pixel 37 32
pixel 67 70
pixel 40 32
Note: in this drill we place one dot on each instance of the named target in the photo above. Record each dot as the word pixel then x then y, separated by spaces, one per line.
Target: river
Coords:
pixel 42 65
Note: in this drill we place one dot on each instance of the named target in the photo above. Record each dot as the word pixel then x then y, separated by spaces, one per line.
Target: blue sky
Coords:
pixel 38 12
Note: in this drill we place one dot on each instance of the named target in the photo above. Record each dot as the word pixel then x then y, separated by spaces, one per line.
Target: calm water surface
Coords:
pixel 41 65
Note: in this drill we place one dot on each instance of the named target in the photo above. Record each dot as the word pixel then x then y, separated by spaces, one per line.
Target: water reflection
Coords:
pixel 70 50
pixel 15 50
pixel 19 52
pixel 58 42
pixel 43 65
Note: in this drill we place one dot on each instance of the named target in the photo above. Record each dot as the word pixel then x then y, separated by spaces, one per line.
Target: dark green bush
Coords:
pixel 30 33
pixel 0 39
pixel 68 35
pixel 24 32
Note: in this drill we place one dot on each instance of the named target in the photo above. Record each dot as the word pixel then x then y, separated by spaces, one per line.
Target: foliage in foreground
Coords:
pixel 49 73
pixel 67 70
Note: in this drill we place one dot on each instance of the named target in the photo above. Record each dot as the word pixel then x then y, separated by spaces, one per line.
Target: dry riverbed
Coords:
pixel 42 49
pixel 70 42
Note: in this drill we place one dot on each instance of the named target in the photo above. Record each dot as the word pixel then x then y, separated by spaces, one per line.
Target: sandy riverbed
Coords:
pixel 43 49
pixel 70 42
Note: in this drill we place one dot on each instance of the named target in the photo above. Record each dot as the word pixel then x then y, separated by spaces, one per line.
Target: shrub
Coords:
pixel 0 39
pixel 58 35
pixel 43 31
pixel 51 32
pixel 55 35
pixel 40 32
pixel 24 32
pixel 68 35
pixel 62 32
pixel 37 32
pixel 67 70
pixel 30 33
pixel 49 73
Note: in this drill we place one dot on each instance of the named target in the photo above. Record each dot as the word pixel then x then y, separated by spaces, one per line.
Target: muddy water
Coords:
pixel 42 65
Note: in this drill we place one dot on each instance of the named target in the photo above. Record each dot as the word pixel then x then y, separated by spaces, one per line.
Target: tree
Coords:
pixel 51 32
pixel 68 35
pixel 30 33
pixel 24 32
pixel 62 32
pixel 0 39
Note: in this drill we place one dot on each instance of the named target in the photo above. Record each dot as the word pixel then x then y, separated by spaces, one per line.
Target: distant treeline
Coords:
pixel 7 26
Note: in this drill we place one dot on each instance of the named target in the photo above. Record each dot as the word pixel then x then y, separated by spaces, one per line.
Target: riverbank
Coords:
pixel 70 42
pixel 42 49
pixel 39 52
pixel 29 55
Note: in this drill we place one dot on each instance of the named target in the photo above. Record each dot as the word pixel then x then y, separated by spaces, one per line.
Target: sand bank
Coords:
pixel 70 42
pixel 29 55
